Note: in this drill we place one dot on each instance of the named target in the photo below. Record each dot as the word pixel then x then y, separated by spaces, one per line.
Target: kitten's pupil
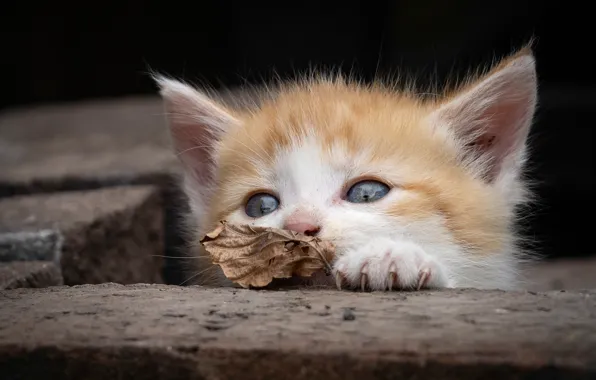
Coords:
pixel 261 204
pixel 367 191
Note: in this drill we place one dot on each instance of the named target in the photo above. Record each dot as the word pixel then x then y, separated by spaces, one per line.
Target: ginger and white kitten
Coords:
pixel 414 193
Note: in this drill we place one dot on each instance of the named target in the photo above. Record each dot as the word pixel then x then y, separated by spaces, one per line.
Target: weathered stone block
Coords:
pixel 29 274
pixel 167 332
pixel 28 245
pixel 109 235
pixel 89 145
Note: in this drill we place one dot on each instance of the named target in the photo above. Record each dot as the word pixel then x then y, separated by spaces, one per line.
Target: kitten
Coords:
pixel 414 193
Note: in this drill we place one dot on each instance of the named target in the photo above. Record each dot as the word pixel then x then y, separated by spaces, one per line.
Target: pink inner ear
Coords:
pixel 493 117
pixel 196 124
pixel 194 147
pixel 504 132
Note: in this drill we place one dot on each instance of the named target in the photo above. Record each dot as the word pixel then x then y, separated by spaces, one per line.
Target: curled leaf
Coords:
pixel 254 256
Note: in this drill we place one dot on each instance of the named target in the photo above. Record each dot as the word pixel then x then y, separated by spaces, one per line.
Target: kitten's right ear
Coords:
pixel 197 125
pixel 492 117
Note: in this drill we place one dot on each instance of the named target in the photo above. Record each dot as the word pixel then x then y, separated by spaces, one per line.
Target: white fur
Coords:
pixel 389 263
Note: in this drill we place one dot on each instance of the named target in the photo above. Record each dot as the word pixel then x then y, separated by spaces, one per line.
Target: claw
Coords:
pixel 392 276
pixel 338 280
pixel 423 278
pixel 363 277
pixel 392 280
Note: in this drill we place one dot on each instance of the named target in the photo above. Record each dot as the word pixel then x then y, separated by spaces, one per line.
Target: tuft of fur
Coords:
pixel 454 164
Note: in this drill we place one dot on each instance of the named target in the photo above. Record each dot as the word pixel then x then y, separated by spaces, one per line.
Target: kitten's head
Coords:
pixel 350 163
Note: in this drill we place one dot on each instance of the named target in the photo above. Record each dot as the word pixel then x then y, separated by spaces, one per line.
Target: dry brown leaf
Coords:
pixel 254 256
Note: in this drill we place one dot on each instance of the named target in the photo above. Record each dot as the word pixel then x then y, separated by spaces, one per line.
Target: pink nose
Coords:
pixel 302 227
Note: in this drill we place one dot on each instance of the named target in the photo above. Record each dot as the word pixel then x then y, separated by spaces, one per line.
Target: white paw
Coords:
pixel 388 264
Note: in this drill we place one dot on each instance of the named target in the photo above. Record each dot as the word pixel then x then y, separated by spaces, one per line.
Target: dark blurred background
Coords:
pixel 64 51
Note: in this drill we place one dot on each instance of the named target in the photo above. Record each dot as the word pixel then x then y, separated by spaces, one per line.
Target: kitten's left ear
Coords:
pixel 492 117
pixel 197 125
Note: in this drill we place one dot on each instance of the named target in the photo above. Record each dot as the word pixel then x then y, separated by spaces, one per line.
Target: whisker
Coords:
pixel 250 149
pixel 195 275
pixel 192 148
pixel 190 278
pixel 260 146
pixel 181 257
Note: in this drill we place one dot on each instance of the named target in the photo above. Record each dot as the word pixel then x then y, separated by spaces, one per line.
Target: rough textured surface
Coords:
pixel 568 274
pixel 29 245
pixel 29 274
pixel 164 332
pixel 113 234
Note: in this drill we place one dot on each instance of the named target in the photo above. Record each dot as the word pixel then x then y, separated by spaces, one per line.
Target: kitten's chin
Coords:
pixel 319 280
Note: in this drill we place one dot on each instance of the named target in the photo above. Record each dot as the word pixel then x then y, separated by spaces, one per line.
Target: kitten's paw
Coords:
pixel 387 264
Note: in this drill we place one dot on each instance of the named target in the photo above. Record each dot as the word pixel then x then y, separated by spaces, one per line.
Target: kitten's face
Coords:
pixel 354 165
pixel 305 157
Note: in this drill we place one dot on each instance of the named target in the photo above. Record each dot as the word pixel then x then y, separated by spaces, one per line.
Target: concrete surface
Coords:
pixel 29 274
pixel 164 332
pixel 113 234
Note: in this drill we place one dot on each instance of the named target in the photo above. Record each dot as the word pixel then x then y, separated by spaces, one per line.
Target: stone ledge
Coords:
pixel 29 274
pixel 167 332
pixel 106 235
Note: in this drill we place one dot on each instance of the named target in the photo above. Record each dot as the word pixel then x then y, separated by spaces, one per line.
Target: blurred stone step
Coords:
pixel 29 274
pixel 107 235
pixel 84 145
pixel 165 332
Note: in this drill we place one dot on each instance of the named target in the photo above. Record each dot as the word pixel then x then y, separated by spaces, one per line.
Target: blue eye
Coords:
pixel 261 204
pixel 367 191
